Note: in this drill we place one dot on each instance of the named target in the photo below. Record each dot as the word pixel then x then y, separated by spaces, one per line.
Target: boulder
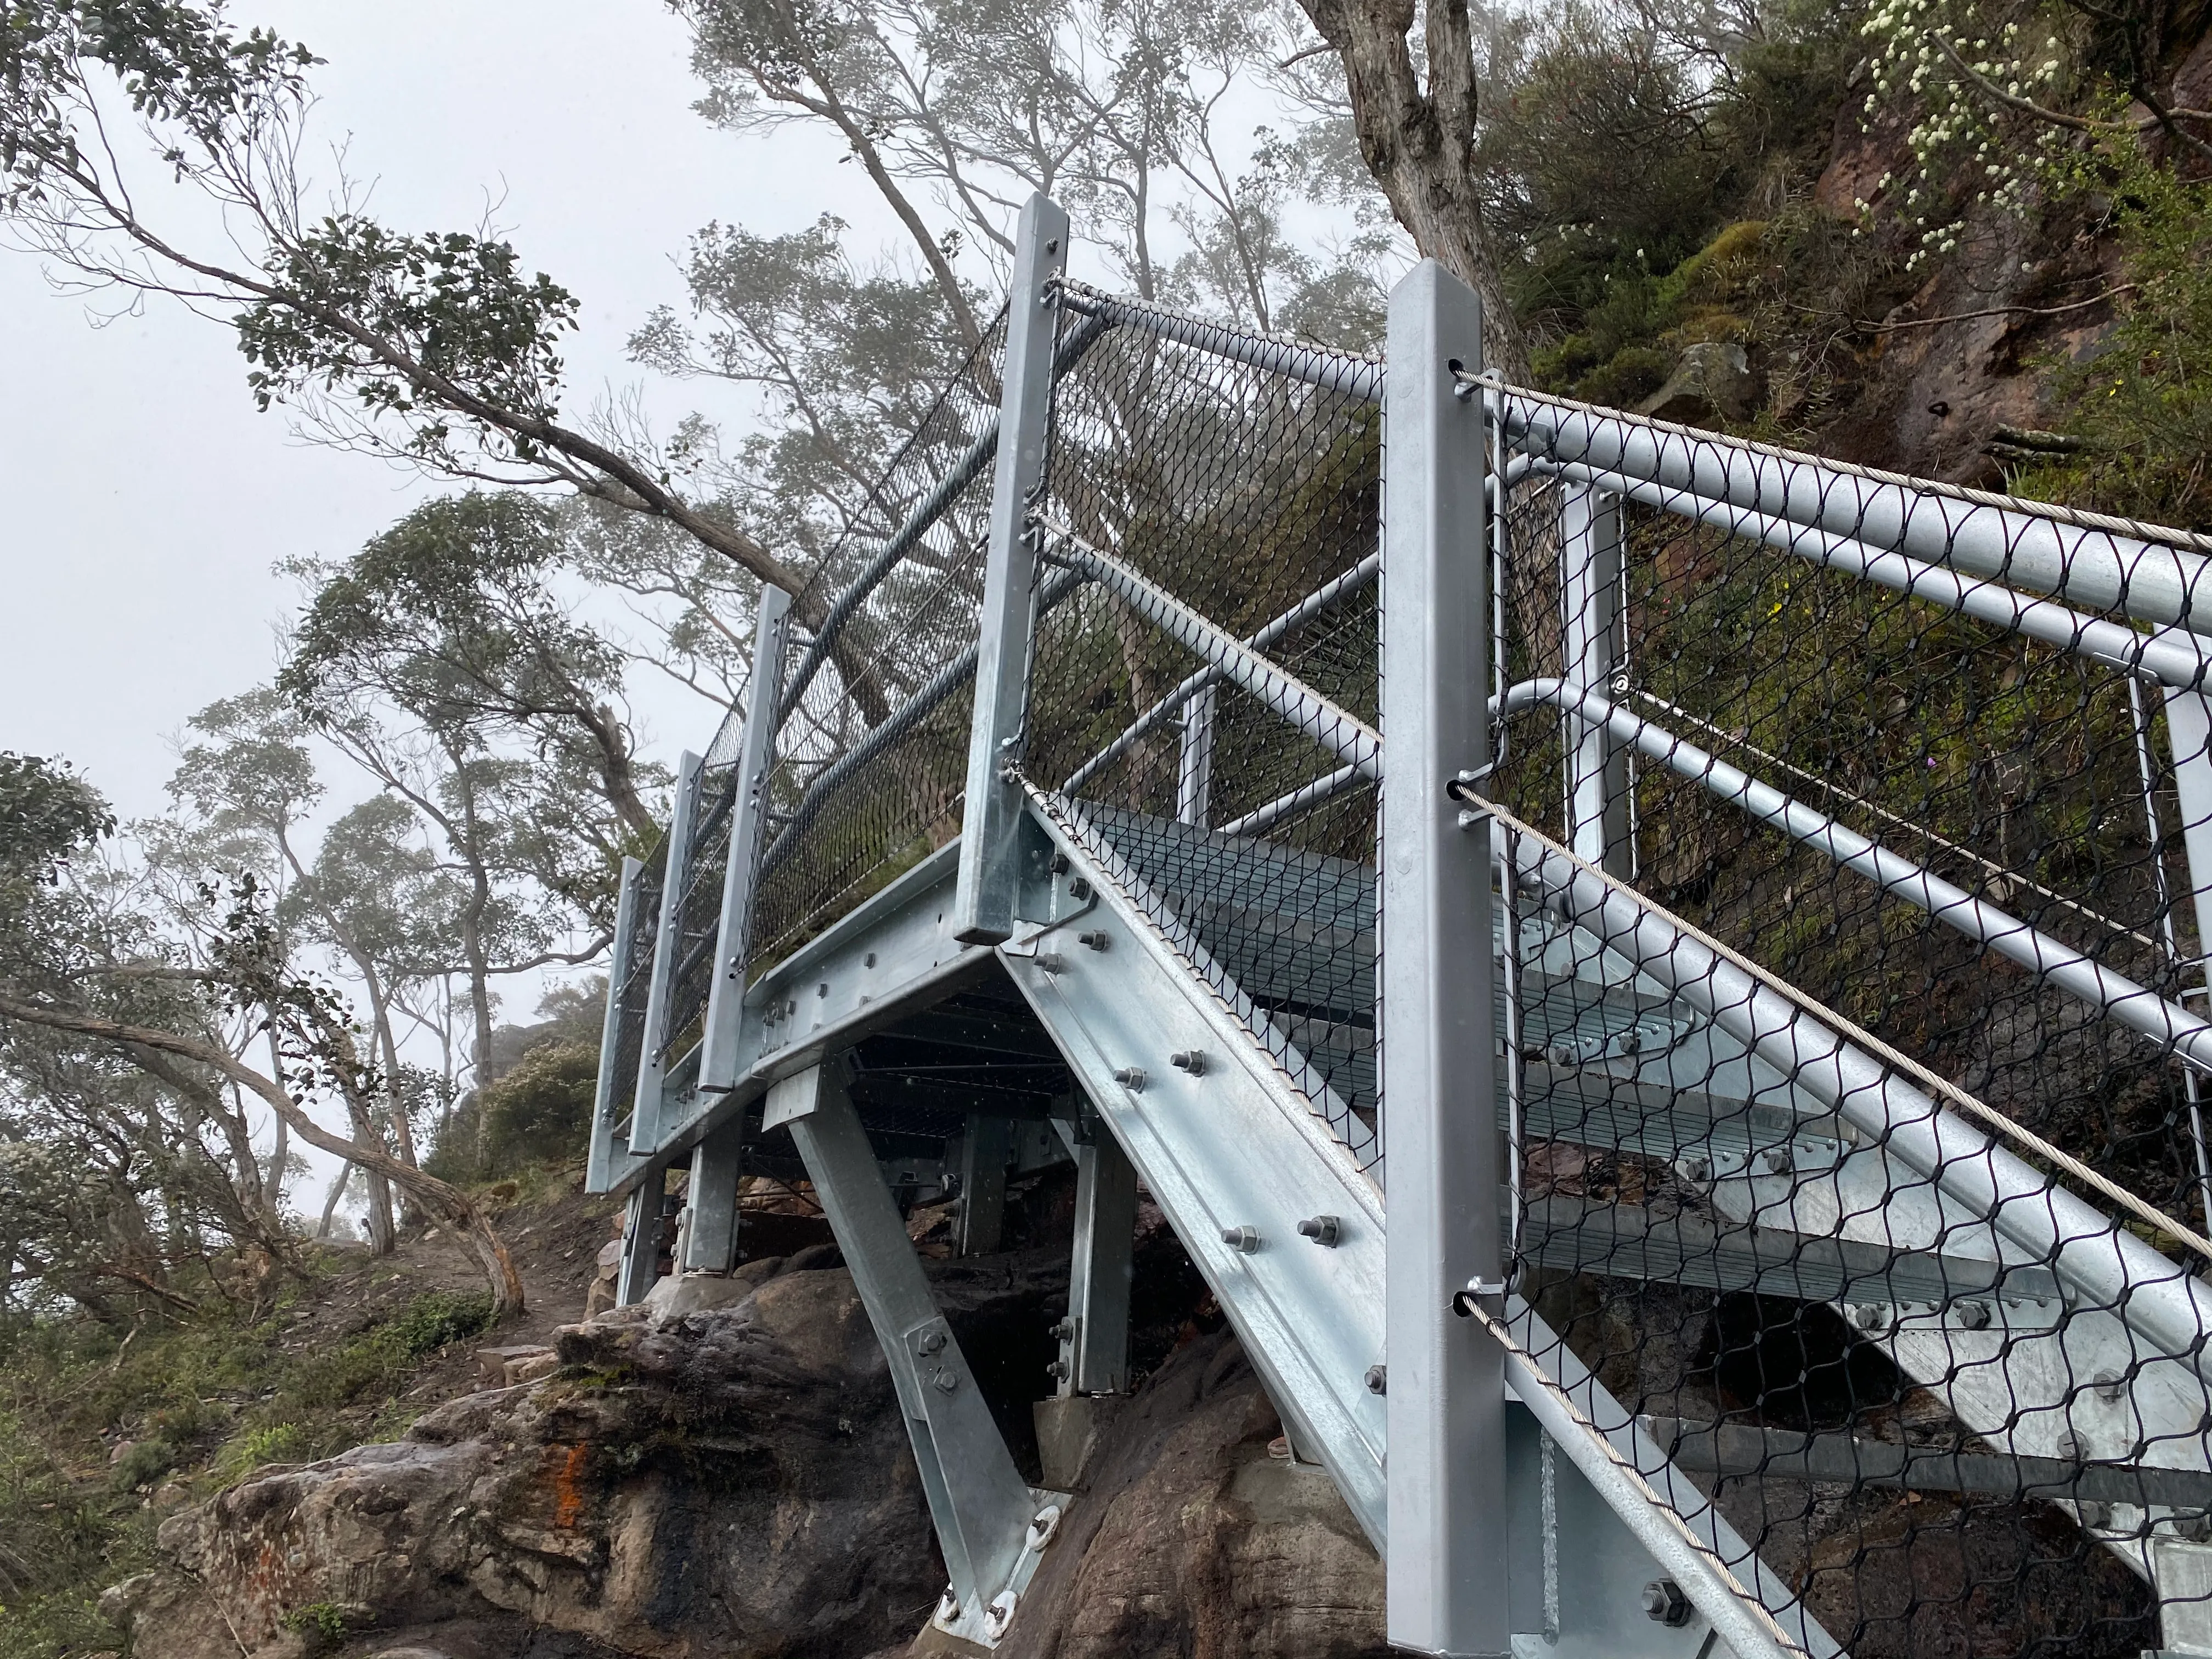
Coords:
pixel 1712 379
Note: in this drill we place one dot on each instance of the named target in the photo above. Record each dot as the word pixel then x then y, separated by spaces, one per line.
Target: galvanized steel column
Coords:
pixel 718 1057
pixel 1447 1580
pixel 984 909
pixel 599 1160
pixel 651 1067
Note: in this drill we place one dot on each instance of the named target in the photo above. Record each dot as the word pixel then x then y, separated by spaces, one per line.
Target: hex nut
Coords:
pixel 1246 1239
pixel 1378 1379
pixel 1663 1604
pixel 1131 1077
pixel 1324 1230
pixel 1096 940
pixel 1974 1316
pixel 1191 1061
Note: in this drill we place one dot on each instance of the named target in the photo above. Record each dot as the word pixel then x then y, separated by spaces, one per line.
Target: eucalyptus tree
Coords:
pixel 100 993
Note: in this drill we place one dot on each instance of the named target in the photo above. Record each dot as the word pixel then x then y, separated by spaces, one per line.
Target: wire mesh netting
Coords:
pixel 629 982
pixel 1201 502
pixel 1847 1050
pixel 871 753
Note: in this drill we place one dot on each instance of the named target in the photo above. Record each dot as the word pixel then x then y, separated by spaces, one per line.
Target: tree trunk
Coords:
pixel 1420 145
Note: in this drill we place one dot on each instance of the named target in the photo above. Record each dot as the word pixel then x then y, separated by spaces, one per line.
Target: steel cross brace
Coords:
pixel 990 1527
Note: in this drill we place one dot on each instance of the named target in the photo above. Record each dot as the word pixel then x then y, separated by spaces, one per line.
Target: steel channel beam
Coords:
pixel 756 755
pixel 866 971
pixel 2173 657
pixel 2104 569
pixel 710 1241
pixel 1094 1353
pixel 600 1158
pixel 641 1250
pixel 1334 728
pixel 989 858
pixel 1235 1147
pixel 2060 965
pixel 652 1059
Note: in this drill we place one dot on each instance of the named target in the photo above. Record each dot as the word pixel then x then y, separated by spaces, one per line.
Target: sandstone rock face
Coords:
pixel 735 1483
pixel 738 1482
pixel 1192 1543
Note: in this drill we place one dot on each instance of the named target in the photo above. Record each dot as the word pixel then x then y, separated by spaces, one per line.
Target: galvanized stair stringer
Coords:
pixel 1236 1156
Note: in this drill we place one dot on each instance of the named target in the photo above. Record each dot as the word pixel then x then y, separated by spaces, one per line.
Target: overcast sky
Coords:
pixel 146 500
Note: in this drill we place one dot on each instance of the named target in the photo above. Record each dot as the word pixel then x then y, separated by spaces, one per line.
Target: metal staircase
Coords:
pixel 1288 949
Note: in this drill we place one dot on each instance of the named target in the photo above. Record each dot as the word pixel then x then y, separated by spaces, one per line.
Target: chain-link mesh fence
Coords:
pixel 1208 502
pixel 870 754
pixel 1849 1070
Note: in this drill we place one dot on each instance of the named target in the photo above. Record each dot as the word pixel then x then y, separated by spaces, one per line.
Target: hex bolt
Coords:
pixel 2110 1385
pixel 1064 1330
pixel 1778 1160
pixel 1058 863
pixel 1694 1170
pixel 930 1342
pixel 1246 1239
pixel 1188 1059
pixel 1378 1379
pixel 1059 1370
pixel 1079 889
pixel 822 989
pixel 1663 1604
pixel 1870 1316
pixel 1050 962
pixel 948 1609
pixel 1321 1229
pixel 1974 1316
pixel 1096 938
pixel 1131 1077
pixel 946 1380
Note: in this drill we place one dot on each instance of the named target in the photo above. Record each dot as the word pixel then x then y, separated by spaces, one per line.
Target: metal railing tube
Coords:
pixel 934 690
pixel 1331 371
pixel 1262 819
pixel 1336 729
pixel 2169 1025
pixel 2108 1267
pixel 972 462
pixel 2105 569
pixel 2171 659
pixel 1304 611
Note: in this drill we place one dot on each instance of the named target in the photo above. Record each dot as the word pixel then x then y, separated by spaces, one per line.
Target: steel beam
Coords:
pixel 718 1056
pixel 977 1498
pixel 1446 1592
pixel 600 1157
pixel 710 1242
pixel 983 1153
pixel 1094 1348
pixel 988 856
pixel 652 1058
pixel 641 1252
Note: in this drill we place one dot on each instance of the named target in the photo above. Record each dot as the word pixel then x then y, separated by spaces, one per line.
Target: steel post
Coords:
pixel 977 1498
pixel 652 1062
pixel 641 1253
pixel 989 856
pixel 1589 585
pixel 983 1153
pixel 1446 1591
pixel 1194 760
pixel 710 1243
pixel 1094 1347
pixel 600 1162
pixel 718 1057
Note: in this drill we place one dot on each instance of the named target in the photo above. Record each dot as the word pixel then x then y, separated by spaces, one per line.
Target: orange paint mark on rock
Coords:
pixel 567 1497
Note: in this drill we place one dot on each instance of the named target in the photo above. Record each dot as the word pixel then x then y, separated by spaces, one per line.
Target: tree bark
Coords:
pixel 435 1194
pixel 1420 145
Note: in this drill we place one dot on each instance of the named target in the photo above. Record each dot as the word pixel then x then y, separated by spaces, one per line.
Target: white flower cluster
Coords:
pixel 1968 148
